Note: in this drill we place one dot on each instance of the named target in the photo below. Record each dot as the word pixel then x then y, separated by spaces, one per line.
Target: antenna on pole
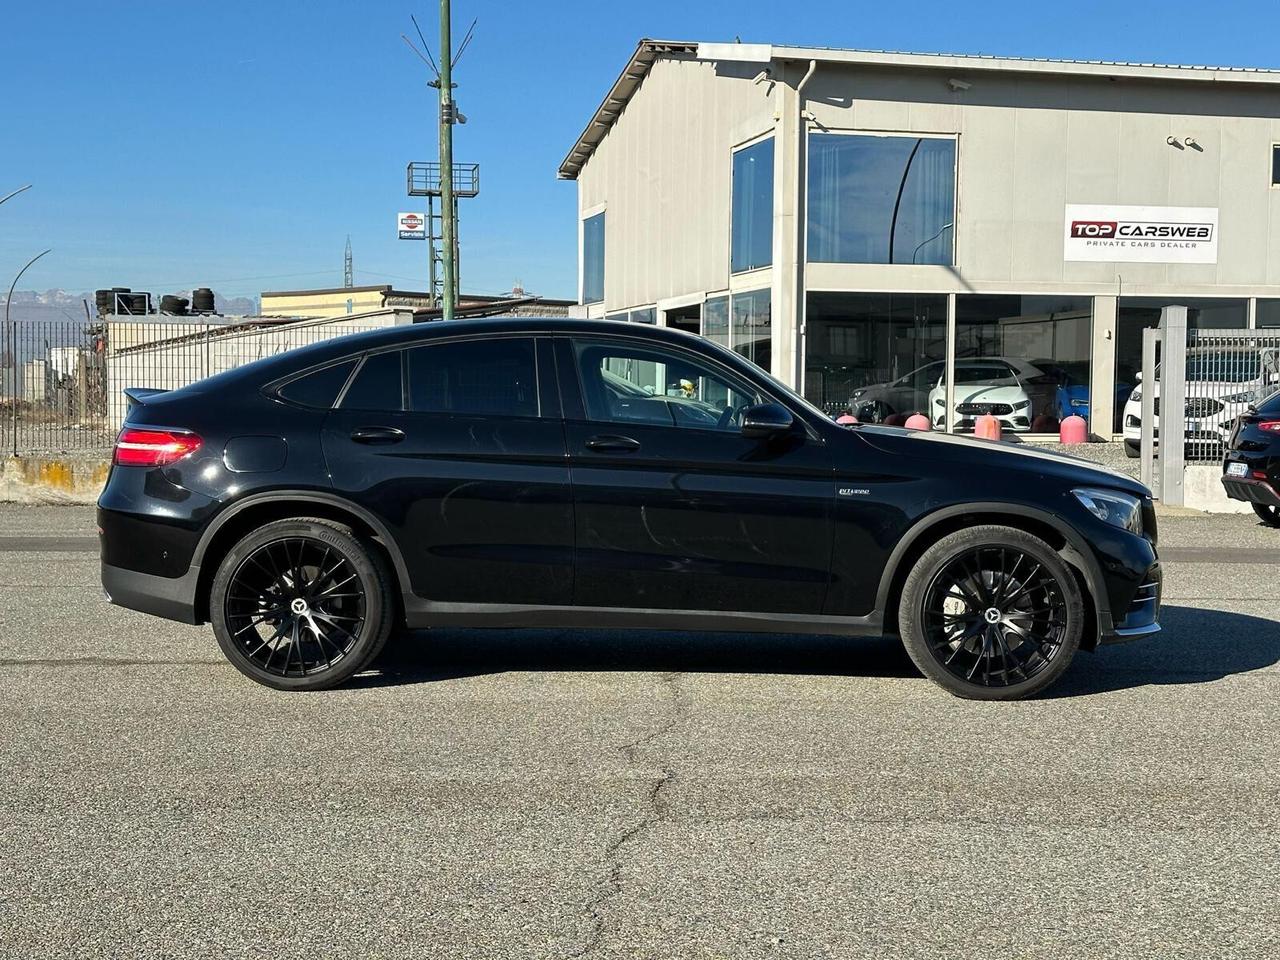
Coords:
pixel 348 274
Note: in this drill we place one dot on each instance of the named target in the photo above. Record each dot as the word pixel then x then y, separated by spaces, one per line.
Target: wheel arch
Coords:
pixel 258 509
pixel 933 527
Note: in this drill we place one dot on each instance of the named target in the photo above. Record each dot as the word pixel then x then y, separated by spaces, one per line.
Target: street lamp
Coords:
pixel 13 345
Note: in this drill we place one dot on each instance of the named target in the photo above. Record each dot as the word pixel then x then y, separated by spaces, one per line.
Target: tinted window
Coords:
pixel 320 388
pixel 377 385
pixel 639 384
pixel 881 199
pixel 751 241
pixel 478 377
pixel 593 259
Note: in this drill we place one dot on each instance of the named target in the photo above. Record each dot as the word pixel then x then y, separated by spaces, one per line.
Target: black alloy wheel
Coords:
pixel 301 604
pixel 1267 514
pixel 992 613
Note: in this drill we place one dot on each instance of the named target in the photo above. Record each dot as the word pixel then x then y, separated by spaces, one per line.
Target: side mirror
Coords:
pixel 766 420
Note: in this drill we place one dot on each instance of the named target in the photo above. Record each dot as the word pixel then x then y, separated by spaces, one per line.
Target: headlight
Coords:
pixel 857 394
pixel 940 402
pixel 1111 506
pixel 1022 404
pixel 1136 395
pixel 1248 396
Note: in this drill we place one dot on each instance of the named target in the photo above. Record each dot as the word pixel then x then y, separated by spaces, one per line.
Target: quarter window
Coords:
pixel 318 389
pixel 638 384
pixel 881 199
pixel 494 377
pixel 377 385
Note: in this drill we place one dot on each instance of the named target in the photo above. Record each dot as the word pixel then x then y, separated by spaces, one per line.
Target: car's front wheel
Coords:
pixel 301 604
pixel 991 613
pixel 1267 514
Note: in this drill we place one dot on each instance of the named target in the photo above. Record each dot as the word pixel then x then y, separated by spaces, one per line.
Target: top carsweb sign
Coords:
pixel 1105 233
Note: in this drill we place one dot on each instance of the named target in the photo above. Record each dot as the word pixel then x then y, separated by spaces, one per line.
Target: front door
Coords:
pixel 458 445
pixel 674 508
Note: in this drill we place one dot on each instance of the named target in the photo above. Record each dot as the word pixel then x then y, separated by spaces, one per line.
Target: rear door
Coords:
pixel 674 507
pixel 458 446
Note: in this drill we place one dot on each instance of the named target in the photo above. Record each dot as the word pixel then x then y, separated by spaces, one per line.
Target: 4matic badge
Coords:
pixel 853 491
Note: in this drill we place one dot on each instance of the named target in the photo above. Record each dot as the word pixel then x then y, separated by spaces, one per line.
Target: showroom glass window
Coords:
pixel 1268 313
pixel 647 315
pixel 879 199
pixel 1023 359
pixel 491 377
pixel 875 355
pixel 1135 314
pixel 749 332
pixel 593 259
pixel 751 240
pixel 715 320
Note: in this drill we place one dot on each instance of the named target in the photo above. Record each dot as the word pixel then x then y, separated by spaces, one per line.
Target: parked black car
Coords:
pixel 520 473
pixel 1251 466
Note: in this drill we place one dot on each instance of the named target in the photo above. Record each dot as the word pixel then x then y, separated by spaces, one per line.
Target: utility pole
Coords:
pixel 449 210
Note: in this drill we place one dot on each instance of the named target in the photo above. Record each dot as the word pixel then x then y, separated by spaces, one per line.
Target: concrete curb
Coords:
pixel 70 480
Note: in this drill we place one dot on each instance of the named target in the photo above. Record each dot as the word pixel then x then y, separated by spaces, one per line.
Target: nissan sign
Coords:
pixel 1102 233
pixel 411 226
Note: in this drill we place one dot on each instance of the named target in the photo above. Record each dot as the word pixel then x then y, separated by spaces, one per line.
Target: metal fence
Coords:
pixel 1227 371
pixel 61 381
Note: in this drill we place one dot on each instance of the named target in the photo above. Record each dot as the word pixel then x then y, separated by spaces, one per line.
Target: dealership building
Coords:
pixel 877 228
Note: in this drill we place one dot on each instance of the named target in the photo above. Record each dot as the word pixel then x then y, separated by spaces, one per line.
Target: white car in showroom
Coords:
pixel 986 385
pixel 1221 385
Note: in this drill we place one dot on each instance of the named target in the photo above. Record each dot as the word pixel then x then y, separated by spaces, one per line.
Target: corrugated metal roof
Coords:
pixel 647 51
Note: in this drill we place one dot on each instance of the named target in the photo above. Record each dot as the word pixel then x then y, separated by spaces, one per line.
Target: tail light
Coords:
pixel 1271 426
pixel 153 448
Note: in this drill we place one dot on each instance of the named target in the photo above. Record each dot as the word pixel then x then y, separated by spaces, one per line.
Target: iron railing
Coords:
pixel 61 382
pixel 1227 371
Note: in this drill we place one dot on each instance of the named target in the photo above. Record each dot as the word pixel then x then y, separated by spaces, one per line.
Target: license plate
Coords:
pixel 1237 469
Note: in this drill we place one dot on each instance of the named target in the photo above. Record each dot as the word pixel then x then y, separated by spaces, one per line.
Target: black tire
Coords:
pixel 306 590
pixel 953 589
pixel 1267 514
pixel 1132 450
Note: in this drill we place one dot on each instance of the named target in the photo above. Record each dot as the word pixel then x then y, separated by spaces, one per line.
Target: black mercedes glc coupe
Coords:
pixel 531 473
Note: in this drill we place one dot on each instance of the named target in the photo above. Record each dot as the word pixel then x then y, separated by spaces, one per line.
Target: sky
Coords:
pixel 237 144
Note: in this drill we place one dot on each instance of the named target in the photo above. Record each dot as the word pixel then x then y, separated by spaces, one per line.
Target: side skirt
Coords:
pixel 420 614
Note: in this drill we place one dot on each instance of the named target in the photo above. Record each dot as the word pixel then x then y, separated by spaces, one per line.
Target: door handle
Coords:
pixel 375 435
pixel 613 443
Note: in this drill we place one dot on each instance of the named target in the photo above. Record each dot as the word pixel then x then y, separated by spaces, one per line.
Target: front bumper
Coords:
pixel 1142 616
pixel 173 598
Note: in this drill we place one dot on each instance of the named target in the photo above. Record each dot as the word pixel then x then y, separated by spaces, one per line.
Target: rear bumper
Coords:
pixel 1251 491
pixel 170 597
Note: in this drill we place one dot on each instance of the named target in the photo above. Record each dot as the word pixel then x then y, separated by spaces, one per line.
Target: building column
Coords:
pixel 1102 368
pixel 788 222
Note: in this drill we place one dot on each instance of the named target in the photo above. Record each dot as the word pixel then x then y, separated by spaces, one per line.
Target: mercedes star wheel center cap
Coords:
pixel 299 606
pixel 991 615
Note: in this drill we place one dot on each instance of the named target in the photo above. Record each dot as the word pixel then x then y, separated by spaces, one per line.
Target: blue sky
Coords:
pixel 236 144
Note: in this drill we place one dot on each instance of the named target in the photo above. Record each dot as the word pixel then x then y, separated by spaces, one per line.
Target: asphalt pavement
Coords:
pixel 656 795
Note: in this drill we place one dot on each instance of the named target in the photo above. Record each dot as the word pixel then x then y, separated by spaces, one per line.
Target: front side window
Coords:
pixel 881 199
pixel 751 239
pixel 495 377
pixel 377 385
pixel 625 383
pixel 593 259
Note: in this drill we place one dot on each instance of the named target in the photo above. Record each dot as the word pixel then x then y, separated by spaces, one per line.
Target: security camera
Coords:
pixel 958 85
pixel 762 76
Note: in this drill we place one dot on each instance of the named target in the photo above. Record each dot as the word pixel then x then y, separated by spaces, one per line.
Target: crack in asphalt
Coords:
pixel 657 810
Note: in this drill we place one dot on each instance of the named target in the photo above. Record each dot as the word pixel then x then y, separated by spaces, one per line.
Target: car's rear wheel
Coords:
pixel 1267 514
pixel 991 613
pixel 301 604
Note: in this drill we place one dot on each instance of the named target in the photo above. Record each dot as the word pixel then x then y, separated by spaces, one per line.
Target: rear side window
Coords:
pixel 494 377
pixel 319 388
pixel 377 385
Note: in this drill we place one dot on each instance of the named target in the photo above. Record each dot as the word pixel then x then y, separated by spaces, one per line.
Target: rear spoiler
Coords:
pixel 137 396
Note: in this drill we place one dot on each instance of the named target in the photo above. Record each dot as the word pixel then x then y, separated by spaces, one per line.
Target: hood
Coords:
pixel 1022 457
